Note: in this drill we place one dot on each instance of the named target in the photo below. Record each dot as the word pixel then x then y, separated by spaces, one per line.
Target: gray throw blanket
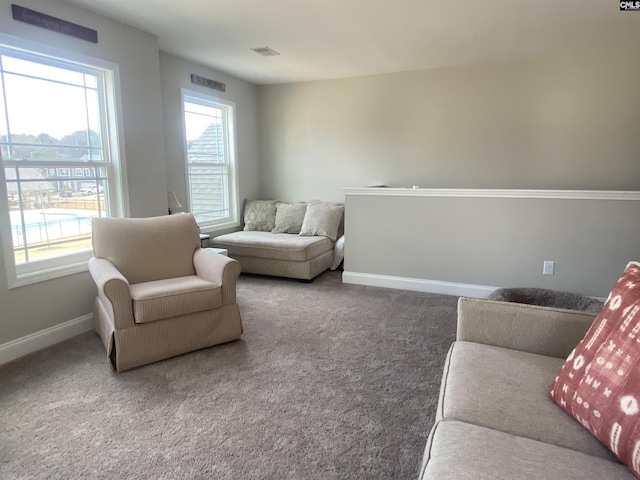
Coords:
pixel 547 298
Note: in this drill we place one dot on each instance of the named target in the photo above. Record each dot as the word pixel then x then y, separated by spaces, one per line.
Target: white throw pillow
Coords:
pixel 322 219
pixel 338 253
pixel 289 217
pixel 260 215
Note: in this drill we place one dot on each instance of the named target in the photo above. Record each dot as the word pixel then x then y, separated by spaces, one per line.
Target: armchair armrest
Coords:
pixel 113 289
pixel 542 330
pixel 219 269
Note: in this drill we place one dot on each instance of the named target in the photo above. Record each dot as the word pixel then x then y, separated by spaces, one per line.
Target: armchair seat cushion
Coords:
pixel 173 297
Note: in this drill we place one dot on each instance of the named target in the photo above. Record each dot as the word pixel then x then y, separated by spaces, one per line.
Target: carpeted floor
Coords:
pixel 329 381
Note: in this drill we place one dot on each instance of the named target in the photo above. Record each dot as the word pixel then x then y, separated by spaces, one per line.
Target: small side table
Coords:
pixel 220 251
pixel 204 240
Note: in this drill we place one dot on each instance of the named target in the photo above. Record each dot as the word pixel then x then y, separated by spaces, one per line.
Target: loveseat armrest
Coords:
pixel 218 269
pixel 113 289
pixel 529 328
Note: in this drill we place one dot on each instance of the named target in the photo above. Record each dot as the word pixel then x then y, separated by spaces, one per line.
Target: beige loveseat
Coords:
pixel 159 293
pixel 495 419
pixel 298 240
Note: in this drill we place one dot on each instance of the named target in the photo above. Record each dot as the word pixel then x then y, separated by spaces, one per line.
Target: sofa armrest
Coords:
pixel 113 289
pixel 542 330
pixel 218 269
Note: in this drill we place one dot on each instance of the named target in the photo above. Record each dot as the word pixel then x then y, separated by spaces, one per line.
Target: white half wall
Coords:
pixel 469 242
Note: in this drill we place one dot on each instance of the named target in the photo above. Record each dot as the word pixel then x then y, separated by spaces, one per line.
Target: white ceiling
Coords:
pixel 322 39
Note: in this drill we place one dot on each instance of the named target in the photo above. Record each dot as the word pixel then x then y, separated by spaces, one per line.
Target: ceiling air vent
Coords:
pixel 266 51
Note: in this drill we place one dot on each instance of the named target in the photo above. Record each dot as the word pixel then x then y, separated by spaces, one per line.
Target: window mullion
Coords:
pixel 86 114
pixel 6 108
pixel 21 210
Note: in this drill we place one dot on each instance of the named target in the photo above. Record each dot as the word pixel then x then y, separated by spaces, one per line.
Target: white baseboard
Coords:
pixel 418 285
pixel 45 338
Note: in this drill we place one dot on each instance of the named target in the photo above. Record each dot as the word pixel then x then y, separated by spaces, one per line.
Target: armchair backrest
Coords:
pixel 147 249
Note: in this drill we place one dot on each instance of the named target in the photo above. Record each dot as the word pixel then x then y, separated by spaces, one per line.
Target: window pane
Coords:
pixel 210 165
pixel 93 117
pixel 39 107
pixel 202 109
pixel 198 117
pixel 209 192
pixel 3 119
pixel 33 151
pixel 55 164
pixel 51 217
pixel 91 81
pixel 208 147
pixel 35 69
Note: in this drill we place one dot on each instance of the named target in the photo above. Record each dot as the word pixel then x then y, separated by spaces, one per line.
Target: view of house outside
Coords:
pixel 208 175
pixel 208 159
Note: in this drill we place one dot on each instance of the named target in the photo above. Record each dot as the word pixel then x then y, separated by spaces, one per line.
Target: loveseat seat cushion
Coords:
pixel 463 451
pixel 173 297
pixel 506 390
pixel 274 246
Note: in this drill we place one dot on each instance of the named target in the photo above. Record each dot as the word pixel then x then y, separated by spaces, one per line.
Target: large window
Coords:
pixel 59 158
pixel 210 153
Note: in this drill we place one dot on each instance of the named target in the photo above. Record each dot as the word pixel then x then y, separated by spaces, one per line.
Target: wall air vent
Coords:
pixel 266 51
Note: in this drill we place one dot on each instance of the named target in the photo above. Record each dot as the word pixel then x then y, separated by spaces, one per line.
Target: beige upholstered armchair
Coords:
pixel 159 293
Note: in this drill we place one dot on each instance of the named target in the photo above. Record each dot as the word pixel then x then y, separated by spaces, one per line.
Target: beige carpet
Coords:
pixel 329 381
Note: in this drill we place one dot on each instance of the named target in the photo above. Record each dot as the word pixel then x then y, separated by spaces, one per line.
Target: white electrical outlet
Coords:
pixel 547 267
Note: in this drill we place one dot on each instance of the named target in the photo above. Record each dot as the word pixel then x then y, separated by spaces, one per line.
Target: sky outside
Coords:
pixel 66 102
pixel 63 104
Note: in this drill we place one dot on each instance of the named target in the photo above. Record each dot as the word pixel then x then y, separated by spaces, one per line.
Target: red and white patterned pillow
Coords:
pixel 599 384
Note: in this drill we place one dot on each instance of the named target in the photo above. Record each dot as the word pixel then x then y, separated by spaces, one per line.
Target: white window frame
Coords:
pixel 40 270
pixel 230 148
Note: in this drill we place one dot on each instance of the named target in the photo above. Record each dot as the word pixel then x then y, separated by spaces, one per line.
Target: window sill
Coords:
pixel 209 229
pixel 22 279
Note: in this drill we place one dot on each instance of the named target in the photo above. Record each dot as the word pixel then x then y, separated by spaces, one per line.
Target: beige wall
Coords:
pixel 554 123
pixel 562 123
pixel 176 74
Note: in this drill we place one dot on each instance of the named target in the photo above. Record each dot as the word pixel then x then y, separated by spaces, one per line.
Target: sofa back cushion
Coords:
pixel 260 215
pixel 322 219
pixel 289 217
pixel 599 384
pixel 148 249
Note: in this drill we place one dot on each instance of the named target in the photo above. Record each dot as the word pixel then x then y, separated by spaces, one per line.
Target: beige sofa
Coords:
pixel 278 254
pixel 299 240
pixel 495 419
